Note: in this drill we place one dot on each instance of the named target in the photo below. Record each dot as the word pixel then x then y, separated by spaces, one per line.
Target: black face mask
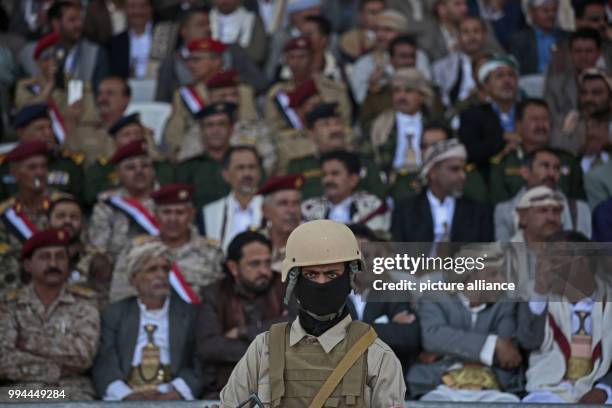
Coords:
pixel 323 299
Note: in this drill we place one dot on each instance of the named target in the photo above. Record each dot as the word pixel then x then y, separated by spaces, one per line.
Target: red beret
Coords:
pixel 45 238
pixel 207 45
pixel 172 194
pixel 302 93
pixel 26 150
pixel 223 79
pixel 45 42
pixel 298 43
pixel 288 182
pixel 135 148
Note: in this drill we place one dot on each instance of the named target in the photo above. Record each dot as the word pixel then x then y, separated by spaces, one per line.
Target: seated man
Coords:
pixel 565 325
pixel 467 339
pixel 147 344
pixel 342 201
pixel 239 307
pixel 49 328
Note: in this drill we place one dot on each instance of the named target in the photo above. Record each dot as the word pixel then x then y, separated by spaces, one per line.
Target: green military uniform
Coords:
pixel 206 175
pixel 373 179
pixel 65 174
pixel 102 176
pixel 506 180
pixel 404 185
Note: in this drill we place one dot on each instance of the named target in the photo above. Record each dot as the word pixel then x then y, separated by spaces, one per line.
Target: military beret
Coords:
pixel 298 43
pixel 206 45
pixel 172 194
pixel 322 111
pixel 133 118
pixel 45 238
pixel 45 42
pixel 29 114
pixel 223 79
pixel 227 108
pixel 288 182
pixel 301 94
pixel 133 149
pixel 26 150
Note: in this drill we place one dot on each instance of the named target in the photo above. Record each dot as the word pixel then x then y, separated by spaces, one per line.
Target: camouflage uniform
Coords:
pixel 54 346
pixel 293 144
pixel 110 230
pixel 199 261
pixel 365 209
pixel 373 180
pixel 205 174
pixel 65 174
pixel 506 180
pixel 9 269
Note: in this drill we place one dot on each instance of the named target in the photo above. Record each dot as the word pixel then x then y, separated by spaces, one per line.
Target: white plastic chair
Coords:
pixel 143 90
pixel 532 85
pixel 153 115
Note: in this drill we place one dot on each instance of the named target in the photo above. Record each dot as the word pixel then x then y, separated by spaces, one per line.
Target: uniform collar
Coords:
pixel 327 340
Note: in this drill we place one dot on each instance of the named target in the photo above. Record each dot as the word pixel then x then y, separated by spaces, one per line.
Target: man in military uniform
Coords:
pixel 33 124
pixel 305 362
pixel 197 259
pixel 123 213
pixel 240 306
pixel 342 200
pixel 49 328
pixel 326 130
pixel 360 40
pixel 298 56
pixel 102 176
pixel 281 212
pixel 407 184
pixel 204 172
pixel 533 125
pixel 26 211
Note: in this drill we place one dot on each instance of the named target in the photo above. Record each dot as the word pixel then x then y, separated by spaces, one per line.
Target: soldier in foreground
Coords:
pixel 298 364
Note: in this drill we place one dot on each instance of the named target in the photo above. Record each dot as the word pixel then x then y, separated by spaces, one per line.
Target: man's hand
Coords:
pixel 403 317
pixel 143 395
pixel 507 355
pixel 169 396
pixel 375 78
pixel 595 396
pixel 232 334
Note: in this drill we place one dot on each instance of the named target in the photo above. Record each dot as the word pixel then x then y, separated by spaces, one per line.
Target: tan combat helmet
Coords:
pixel 320 242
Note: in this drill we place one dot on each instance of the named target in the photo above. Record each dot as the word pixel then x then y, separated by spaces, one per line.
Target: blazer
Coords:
pixel 481 133
pixel 413 222
pixel 119 55
pixel 120 324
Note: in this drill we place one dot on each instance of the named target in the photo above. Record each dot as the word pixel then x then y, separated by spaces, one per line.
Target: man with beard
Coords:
pixel 322 352
pixel 239 307
pixel 533 126
pixel 49 328
pixel 123 213
pixel 240 210
pixel 342 201
pixel 147 347
pixel 197 259
pixel 281 212
pixel 441 213
pixel 542 167
pixel 88 266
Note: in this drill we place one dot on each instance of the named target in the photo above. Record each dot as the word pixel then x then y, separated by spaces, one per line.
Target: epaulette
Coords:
pixel 83 291
pixel 4 205
pixel 76 157
pixel 103 195
pixel 141 239
pixel 312 173
pixel 58 195
pixel 103 160
pixel 497 158
pixel 214 242
pixel 470 167
pixel 4 248
pixel 12 295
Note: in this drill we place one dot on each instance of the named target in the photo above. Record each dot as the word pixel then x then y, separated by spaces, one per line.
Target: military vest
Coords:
pixel 297 373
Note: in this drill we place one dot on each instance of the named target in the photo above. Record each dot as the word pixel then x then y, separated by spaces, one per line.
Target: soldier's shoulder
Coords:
pixel 74 157
pixel 6 204
pixel 106 194
pixel 81 290
pixel 313 203
pixel 12 295
pixel 208 245
pixel 365 199
pixel 101 162
pixel 142 239
pixel 503 156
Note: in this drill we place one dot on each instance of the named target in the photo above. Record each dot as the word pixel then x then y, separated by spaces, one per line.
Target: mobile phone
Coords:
pixel 75 91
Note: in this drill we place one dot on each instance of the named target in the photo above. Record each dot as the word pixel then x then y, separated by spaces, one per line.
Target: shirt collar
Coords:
pixel 404 117
pixel 147 32
pixel 235 204
pixel 466 302
pixel 327 340
pixel 156 312
pixel 435 201
pixel 346 203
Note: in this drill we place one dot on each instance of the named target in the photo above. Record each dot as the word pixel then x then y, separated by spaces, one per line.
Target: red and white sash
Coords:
pixel 145 220
pixel 292 118
pixel 191 99
pixel 57 122
pixel 18 223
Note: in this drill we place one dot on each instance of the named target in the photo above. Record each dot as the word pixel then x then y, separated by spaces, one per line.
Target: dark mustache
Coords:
pixel 330 185
pixel 53 270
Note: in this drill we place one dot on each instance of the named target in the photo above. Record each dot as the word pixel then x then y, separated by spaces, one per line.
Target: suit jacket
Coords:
pixel 602 222
pixel 524 46
pixel 561 94
pixel 119 55
pixel 98 26
pixel 413 222
pixel 598 184
pixel 120 324
pixel 481 133
pixel 447 330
